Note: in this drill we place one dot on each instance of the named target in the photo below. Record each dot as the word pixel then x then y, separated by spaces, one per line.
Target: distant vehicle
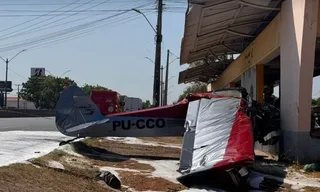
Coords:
pixel 107 101
pixel 132 104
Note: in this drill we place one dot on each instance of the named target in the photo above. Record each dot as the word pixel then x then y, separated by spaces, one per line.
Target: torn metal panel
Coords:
pixel 223 137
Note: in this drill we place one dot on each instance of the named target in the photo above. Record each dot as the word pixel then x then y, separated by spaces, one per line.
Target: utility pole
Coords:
pixel 6 80
pixel 5 86
pixel 161 86
pixel 165 99
pixel 156 83
pixel 18 101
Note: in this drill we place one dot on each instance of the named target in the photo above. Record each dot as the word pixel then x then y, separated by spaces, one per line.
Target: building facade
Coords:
pixel 12 103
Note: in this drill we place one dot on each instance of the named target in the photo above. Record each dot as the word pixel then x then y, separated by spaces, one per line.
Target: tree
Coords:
pixel 193 88
pixel 314 101
pixel 44 91
pixel 146 105
pixel 89 88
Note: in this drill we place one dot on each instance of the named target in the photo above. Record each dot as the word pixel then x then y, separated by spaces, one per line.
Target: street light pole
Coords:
pixel 5 86
pixel 138 11
pixel 165 99
pixel 7 61
pixel 158 31
pixel 65 73
pixel 18 101
pixel 161 86
pixel 149 59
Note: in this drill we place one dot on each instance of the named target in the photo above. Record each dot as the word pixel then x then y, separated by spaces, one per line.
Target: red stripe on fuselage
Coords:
pixel 178 110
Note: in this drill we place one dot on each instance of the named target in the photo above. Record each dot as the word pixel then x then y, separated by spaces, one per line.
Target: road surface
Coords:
pixel 28 124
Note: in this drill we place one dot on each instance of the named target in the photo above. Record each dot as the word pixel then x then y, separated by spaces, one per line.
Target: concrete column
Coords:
pixel 297 48
pixel 260 82
pixel 249 82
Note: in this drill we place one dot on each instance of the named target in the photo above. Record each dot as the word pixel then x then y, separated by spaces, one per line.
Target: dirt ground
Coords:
pixel 144 183
pixel 78 172
pixel 27 178
pixel 76 168
pixel 136 150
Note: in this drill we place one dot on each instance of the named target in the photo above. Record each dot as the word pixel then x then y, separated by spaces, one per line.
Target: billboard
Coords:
pixel 38 72
pixel 3 86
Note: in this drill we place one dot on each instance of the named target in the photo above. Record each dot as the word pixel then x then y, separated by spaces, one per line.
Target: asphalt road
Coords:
pixel 28 124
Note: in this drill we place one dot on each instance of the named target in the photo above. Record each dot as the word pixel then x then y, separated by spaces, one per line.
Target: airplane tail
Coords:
pixel 76 111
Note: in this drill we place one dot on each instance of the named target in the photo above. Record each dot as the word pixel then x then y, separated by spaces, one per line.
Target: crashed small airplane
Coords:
pixel 217 132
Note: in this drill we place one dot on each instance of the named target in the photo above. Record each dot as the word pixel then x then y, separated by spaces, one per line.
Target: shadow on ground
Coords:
pixel 102 154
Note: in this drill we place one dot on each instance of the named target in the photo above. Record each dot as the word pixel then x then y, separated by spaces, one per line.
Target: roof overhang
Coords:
pixel 205 71
pixel 220 27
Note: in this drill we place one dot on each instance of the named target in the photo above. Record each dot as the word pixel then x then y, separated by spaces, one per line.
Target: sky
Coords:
pixel 100 41
pixel 97 41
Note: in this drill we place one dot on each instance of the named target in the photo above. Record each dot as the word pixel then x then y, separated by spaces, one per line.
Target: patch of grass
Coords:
pixel 61 156
pixel 91 141
pixel 25 177
pixel 55 155
pixel 128 164
pixel 37 161
pixel 310 189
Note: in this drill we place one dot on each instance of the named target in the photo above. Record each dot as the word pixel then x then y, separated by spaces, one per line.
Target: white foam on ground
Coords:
pixel 137 141
pixel 18 146
pixel 166 169
pixel 114 170
pixel 55 164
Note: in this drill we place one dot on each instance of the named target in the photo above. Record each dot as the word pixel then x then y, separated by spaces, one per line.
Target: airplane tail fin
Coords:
pixel 75 111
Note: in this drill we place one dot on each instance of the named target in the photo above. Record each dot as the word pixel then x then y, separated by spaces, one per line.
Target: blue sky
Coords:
pixel 112 56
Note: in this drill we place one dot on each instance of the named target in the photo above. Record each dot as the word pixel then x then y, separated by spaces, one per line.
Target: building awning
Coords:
pixel 204 71
pixel 222 27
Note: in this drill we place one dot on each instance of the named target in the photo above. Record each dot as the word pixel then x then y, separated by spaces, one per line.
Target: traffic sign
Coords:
pixel 38 72
pixel 3 86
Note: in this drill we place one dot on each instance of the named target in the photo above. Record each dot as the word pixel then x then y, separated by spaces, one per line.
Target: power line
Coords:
pixel 52 4
pixel 28 21
pixel 88 13
pixel 4 36
pixel 75 36
pixel 79 19
pixel 24 78
pixel 174 54
pixel 40 29
pixel 70 30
